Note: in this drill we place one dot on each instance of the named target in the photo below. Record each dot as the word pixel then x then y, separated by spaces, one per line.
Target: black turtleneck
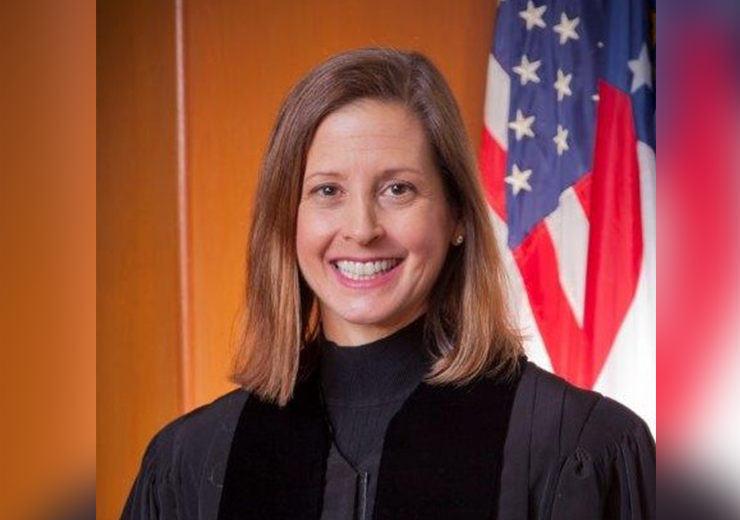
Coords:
pixel 363 387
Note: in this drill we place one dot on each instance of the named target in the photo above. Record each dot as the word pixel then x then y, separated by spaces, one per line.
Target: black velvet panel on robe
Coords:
pixel 443 453
pixel 277 462
pixel 441 457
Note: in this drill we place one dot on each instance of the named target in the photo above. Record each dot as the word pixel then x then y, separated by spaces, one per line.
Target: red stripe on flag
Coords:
pixel 537 261
pixel 583 192
pixel 493 171
pixel 615 239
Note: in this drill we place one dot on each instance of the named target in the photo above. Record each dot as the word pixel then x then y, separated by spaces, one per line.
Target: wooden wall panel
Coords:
pixel 137 294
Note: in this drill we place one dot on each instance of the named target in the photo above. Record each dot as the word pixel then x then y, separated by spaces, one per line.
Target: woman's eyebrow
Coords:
pixel 329 174
pixel 401 169
pixel 384 174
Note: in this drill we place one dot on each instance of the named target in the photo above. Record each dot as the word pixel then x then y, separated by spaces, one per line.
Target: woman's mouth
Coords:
pixel 361 271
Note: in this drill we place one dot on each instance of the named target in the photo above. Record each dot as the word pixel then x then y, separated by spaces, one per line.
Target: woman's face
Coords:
pixel 374 225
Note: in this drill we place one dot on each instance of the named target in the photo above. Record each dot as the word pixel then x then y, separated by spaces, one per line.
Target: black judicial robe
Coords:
pixel 535 448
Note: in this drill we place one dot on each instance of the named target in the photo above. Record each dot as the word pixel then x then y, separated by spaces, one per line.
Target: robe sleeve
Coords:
pixel 153 495
pixel 181 474
pixel 611 473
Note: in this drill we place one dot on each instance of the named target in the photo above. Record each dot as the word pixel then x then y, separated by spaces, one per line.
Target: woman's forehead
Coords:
pixel 377 134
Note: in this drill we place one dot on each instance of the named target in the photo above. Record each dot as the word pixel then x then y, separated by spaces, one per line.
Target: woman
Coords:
pixel 379 375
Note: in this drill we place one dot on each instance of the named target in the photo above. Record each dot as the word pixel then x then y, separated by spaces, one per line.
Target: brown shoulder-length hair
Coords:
pixel 466 320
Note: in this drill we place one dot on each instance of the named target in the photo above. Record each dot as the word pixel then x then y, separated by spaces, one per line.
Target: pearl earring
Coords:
pixel 458 239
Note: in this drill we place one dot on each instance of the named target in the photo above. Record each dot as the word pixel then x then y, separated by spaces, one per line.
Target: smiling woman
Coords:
pixel 380 377
pixel 385 173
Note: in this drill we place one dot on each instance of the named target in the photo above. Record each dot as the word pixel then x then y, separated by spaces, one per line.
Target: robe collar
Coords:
pixel 441 458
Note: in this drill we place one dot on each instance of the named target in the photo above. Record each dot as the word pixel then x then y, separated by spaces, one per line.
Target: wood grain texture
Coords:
pixel 137 293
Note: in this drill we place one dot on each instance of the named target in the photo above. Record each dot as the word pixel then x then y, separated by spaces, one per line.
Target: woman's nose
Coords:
pixel 361 223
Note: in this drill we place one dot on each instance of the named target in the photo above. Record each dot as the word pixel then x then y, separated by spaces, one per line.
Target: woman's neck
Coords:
pixel 376 371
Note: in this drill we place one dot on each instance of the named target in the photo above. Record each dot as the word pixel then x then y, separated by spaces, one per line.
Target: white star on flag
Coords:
pixel 567 28
pixel 561 140
pixel 642 73
pixel 562 85
pixel 533 15
pixel 522 125
pixel 528 70
pixel 519 180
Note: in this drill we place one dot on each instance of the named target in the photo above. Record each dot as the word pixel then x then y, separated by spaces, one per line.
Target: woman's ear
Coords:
pixel 458 237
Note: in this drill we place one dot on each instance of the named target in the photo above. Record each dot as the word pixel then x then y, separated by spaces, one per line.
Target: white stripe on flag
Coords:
pixel 496 110
pixel 517 299
pixel 646 160
pixel 568 227
pixel 629 372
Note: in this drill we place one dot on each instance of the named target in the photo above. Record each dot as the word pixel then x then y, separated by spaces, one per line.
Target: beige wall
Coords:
pixel 170 269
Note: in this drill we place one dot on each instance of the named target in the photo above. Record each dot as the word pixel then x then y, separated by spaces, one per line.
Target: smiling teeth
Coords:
pixel 365 270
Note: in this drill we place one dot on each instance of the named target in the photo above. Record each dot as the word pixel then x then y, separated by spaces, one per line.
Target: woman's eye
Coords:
pixel 325 190
pixel 399 189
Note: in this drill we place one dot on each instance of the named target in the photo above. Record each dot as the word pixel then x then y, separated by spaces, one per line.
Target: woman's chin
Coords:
pixel 369 324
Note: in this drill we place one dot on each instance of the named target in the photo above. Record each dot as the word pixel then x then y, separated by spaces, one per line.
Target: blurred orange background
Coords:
pixel 47 257
pixel 187 94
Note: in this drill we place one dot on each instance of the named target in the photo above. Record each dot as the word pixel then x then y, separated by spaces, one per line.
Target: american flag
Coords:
pixel 568 162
